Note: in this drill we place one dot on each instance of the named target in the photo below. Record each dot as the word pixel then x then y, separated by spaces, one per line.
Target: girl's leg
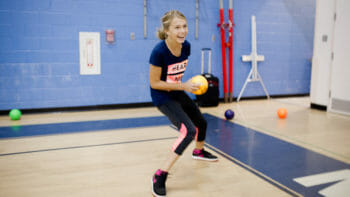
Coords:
pixel 174 111
pixel 193 112
pixel 170 161
pixel 197 118
pixel 200 145
pixel 177 115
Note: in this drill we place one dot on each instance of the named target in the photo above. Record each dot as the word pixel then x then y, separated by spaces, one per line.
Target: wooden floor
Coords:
pixel 121 162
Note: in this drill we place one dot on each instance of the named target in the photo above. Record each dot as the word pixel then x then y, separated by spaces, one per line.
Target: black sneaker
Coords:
pixel 158 183
pixel 203 155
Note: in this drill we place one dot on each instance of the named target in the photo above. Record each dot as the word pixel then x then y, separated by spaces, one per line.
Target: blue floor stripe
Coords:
pixel 289 191
pixel 75 127
pixel 277 159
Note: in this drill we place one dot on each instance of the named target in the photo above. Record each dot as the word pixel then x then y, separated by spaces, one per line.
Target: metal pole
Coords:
pixel 230 51
pixel 202 62
pixel 223 50
pixel 197 16
pixel 145 18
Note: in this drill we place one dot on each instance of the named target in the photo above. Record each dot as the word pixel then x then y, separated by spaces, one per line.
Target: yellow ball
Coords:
pixel 202 81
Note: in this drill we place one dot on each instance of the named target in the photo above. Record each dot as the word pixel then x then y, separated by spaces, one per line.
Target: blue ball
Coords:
pixel 229 114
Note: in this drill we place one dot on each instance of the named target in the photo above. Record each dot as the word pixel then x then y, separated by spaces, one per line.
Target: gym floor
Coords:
pixel 115 152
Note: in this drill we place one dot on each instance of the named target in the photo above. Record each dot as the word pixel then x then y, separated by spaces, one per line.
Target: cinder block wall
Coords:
pixel 39 50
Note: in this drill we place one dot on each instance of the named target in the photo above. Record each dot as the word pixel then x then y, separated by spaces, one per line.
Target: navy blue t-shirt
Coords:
pixel 173 69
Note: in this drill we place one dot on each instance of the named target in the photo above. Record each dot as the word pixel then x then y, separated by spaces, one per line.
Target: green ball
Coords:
pixel 15 114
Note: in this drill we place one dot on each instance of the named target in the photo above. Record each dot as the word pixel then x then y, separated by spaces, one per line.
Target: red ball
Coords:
pixel 282 113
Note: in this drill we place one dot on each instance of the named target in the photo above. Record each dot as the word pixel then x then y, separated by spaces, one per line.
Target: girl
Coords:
pixel 168 63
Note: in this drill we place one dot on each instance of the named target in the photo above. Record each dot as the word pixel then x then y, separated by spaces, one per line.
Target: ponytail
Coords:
pixel 161 34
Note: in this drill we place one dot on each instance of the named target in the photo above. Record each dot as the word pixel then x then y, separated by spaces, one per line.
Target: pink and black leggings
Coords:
pixel 186 116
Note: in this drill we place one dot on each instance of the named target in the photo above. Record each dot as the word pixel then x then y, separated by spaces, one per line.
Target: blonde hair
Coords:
pixel 166 21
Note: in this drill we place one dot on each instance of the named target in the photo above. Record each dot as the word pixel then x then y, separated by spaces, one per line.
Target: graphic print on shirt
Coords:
pixel 176 71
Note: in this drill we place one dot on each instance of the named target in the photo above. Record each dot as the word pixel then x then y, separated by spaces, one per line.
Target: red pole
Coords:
pixel 223 49
pixel 230 49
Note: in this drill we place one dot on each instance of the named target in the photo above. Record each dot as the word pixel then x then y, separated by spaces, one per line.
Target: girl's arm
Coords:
pixel 155 73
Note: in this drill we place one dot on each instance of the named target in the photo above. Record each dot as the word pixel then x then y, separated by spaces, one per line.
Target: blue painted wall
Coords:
pixel 39 50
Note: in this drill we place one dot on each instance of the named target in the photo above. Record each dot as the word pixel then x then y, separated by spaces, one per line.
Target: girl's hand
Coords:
pixel 188 86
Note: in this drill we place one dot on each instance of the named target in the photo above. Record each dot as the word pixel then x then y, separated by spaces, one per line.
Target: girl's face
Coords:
pixel 177 30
